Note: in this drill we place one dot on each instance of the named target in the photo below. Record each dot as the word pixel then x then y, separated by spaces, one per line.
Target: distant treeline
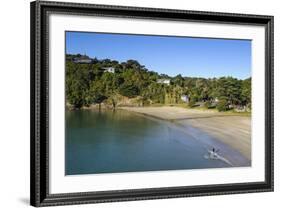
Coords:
pixel 90 83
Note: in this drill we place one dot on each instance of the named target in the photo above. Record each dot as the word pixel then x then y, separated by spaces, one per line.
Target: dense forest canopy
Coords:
pixel 90 83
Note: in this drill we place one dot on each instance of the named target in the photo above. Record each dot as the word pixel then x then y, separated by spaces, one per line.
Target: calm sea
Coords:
pixel 122 141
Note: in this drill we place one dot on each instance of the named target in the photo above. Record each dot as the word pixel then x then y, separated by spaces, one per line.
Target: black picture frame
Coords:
pixel 39 187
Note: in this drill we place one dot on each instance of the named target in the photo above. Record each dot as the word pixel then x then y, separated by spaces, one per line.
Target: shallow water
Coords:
pixel 122 141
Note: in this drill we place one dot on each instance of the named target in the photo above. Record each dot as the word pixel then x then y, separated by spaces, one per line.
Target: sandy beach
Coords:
pixel 231 129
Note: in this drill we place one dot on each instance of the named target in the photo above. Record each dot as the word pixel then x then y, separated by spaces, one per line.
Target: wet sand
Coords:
pixel 232 130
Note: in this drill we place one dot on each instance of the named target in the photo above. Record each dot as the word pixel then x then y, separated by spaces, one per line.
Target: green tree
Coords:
pixel 246 92
pixel 222 105
pixel 129 90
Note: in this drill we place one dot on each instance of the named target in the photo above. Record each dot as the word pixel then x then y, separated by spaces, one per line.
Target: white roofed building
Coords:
pixel 164 81
pixel 185 98
pixel 82 60
pixel 109 69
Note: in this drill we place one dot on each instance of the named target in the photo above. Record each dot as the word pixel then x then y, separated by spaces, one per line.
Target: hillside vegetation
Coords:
pixel 88 84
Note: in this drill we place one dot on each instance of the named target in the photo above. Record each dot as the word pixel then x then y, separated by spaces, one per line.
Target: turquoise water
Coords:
pixel 122 141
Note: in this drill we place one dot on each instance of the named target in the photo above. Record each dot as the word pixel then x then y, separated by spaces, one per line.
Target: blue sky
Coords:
pixel 192 57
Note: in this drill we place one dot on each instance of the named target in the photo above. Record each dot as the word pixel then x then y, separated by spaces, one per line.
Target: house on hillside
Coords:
pixel 109 69
pixel 82 60
pixel 164 81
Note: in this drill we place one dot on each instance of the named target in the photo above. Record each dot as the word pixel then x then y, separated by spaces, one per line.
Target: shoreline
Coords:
pixel 232 130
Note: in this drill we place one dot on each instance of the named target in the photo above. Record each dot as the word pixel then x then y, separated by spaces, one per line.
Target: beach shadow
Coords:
pixel 24 201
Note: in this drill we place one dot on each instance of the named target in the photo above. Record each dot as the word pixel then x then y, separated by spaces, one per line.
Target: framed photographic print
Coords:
pixel 131 103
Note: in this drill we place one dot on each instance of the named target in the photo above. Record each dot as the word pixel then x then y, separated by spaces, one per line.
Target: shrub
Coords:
pixel 208 104
pixel 222 105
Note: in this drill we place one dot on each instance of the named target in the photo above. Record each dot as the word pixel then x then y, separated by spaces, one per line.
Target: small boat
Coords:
pixel 213 155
